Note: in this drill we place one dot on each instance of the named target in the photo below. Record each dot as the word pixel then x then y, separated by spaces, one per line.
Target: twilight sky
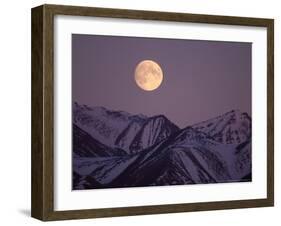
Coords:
pixel 202 79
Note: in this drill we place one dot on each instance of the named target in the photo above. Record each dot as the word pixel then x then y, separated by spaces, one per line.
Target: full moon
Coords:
pixel 148 75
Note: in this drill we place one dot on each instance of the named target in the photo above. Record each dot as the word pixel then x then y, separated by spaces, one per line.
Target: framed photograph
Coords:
pixel 141 112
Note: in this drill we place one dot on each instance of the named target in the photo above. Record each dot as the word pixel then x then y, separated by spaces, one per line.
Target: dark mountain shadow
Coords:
pixel 152 151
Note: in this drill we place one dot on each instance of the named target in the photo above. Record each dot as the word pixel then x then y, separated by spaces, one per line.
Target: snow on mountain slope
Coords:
pixel 102 124
pixel 183 158
pixel 127 136
pixel 117 149
pixel 187 156
pixel 84 145
pixel 154 130
pixel 237 157
pixel 119 129
pixel 232 127
pixel 101 171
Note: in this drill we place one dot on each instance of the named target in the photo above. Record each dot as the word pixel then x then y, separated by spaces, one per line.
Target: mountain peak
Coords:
pixel 133 133
pixel 102 124
pixel 232 127
pixel 159 117
pixel 119 149
pixel 154 130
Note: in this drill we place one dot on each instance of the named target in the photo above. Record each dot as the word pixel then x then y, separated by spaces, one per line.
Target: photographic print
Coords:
pixel 155 111
pixel 147 112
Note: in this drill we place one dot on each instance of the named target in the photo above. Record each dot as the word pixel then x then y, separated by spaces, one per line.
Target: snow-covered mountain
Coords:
pixel 84 145
pixel 186 157
pixel 117 149
pixel 104 125
pixel 126 137
pixel 233 127
pixel 154 130
pixel 119 129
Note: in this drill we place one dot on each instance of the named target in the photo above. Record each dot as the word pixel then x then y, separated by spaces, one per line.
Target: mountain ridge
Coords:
pixel 153 151
pixel 119 129
pixel 231 127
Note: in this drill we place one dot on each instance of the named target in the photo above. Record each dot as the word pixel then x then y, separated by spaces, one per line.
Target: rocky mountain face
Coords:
pixel 232 127
pixel 121 130
pixel 84 145
pixel 143 151
pixel 102 124
pixel 154 130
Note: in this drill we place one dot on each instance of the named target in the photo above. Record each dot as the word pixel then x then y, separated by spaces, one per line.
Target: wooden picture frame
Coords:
pixel 43 108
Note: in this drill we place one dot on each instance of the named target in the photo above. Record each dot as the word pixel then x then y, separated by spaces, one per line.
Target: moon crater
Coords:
pixel 148 75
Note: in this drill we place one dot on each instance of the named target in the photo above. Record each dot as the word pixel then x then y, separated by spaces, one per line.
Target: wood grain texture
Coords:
pixel 42 203
pixel 37 158
pixel 270 111
pixel 43 107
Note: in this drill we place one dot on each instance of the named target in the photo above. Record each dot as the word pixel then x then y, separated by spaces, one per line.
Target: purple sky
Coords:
pixel 202 79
